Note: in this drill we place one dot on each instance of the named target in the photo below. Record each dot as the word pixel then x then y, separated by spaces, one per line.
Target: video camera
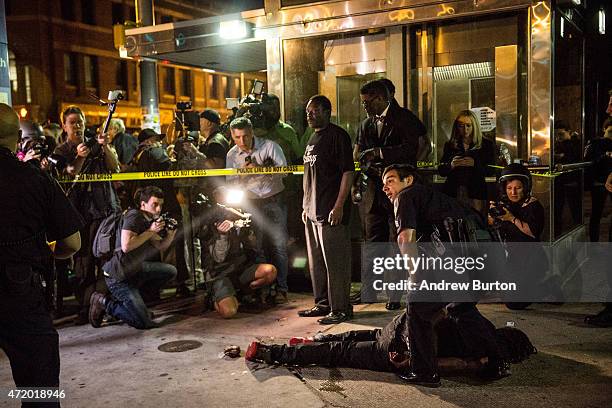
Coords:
pixel 257 106
pixel 186 118
pixel 187 122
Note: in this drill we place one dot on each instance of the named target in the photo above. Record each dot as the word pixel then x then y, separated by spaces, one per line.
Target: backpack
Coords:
pixel 106 240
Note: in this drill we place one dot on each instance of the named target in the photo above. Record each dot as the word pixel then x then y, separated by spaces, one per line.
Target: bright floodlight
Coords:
pixel 234 196
pixel 233 30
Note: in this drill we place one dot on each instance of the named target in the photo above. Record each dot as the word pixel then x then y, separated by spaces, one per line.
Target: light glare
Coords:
pixel 233 30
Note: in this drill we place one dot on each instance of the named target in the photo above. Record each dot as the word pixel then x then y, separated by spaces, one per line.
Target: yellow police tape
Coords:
pixel 174 174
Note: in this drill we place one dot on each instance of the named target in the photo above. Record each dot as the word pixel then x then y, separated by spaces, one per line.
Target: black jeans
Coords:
pixel 87 268
pixel 354 349
pixel 27 335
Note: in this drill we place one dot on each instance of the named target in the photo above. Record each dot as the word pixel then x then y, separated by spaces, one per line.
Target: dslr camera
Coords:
pixel 90 139
pixel 170 224
pixel 497 210
pixel 39 146
pixel 240 218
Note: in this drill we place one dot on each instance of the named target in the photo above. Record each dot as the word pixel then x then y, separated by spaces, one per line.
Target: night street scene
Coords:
pixel 293 203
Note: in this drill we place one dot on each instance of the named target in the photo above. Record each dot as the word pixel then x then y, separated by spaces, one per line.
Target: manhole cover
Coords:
pixel 179 346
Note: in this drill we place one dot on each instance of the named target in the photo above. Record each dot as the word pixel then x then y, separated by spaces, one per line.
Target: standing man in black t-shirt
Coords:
pixel 418 209
pixel 328 174
pixel 34 210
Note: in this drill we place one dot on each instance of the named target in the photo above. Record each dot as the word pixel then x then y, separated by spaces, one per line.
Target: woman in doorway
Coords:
pixel 465 162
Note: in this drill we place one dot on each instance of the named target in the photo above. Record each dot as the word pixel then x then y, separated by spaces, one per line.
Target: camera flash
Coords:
pixel 234 196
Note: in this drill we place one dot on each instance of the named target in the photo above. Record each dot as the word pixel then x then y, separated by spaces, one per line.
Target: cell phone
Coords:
pixel 248 160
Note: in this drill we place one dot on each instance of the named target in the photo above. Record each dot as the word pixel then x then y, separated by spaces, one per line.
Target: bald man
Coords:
pixel 34 211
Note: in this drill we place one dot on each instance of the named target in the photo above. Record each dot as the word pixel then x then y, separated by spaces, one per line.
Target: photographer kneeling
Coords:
pixel 135 263
pixel 232 265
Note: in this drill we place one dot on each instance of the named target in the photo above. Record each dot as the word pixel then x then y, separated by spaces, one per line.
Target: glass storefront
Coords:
pixel 439 68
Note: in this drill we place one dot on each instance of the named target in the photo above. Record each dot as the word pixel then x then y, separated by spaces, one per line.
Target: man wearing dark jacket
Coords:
pixel 389 135
pixel 124 143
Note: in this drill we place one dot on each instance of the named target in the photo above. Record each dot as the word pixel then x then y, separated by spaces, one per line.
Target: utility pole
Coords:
pixel 148 72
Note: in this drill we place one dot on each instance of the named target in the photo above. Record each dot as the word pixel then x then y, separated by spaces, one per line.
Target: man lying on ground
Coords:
pixel 387 349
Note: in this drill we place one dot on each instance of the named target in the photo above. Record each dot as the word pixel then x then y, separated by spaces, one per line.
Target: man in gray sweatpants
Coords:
pixel 328 173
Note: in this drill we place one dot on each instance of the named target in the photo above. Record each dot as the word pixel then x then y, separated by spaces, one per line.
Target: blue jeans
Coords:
pixel 127 304
pixel 270 222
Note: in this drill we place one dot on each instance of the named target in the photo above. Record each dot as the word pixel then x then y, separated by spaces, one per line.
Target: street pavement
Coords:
pixel 118 366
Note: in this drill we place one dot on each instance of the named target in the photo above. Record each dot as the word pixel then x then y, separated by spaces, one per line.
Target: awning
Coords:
pixel 197 43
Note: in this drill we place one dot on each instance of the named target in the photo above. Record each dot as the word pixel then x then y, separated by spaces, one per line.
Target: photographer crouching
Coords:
pixel 517 218
pixel 233 267
pixel 135 263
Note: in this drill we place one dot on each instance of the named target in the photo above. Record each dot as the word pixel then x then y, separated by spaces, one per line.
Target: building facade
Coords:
pixel 61 52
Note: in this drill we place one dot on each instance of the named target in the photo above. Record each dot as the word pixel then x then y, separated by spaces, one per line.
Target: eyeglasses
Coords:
pixel 367 102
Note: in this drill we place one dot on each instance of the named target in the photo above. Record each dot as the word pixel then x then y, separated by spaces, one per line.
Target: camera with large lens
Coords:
pixel 241 219
pixel 497 210
pixel 39 146
pixel 90 138
pixel 170 224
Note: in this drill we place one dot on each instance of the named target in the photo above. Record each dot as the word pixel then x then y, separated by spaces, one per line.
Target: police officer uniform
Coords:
pixel 423 209
pixel 34 211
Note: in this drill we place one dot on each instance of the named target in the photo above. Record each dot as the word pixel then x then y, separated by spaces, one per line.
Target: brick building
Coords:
pixel 62 51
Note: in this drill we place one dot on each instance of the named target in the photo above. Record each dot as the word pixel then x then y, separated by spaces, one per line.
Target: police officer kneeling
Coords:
pixel 419 211
pixel 34 210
